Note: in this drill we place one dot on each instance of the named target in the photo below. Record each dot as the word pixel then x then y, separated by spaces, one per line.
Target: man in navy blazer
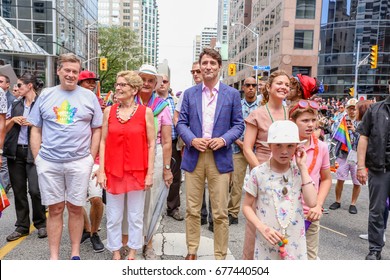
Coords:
pixel 210 121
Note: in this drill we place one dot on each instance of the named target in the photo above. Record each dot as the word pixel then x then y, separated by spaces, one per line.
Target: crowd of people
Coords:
pixel 64 147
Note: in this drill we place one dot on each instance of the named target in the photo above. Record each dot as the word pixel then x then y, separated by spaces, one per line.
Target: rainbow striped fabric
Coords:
pixel 342 135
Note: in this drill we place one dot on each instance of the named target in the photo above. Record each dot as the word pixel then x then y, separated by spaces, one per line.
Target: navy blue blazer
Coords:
pixel 228 124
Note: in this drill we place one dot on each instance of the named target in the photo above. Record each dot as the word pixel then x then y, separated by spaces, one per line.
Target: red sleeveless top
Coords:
pixel 126 153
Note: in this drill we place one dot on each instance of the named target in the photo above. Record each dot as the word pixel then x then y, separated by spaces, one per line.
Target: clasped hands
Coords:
pixel 201 144
pixel 20 120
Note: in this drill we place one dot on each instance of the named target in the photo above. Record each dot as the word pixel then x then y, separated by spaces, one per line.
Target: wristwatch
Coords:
pixel 1 152
pixel 167 166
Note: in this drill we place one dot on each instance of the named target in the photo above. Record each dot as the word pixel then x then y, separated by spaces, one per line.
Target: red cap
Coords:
pixel 85 75
pixel 308 85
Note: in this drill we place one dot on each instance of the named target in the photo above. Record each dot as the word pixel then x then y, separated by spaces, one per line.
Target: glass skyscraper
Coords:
pixel 343 24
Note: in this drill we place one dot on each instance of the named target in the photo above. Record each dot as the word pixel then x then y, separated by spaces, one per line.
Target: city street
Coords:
pixel 170 241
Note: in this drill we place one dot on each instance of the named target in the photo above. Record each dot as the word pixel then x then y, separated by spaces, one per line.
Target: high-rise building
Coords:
pixel 204 40
pixel 56 26
pixel 196 48
pixel 288 34
pixel 344 23
pixel 150 31
pixel 223 22
pixel 139 15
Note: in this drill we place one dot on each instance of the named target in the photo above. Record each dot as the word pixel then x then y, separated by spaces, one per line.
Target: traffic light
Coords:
pixel 103 64
pixel 374 56
pixel 351 91
pixel 232 69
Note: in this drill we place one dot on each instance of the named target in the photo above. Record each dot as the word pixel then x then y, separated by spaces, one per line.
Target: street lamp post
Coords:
pixel 126 63
pixel 89 41
pixel 257 44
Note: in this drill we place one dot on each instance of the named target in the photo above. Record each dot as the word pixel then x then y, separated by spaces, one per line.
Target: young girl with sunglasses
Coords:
pixel 276 187
pixel 257 124
pixel 304 113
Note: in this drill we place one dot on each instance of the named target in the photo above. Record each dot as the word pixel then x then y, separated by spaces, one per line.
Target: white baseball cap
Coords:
pixel 283 132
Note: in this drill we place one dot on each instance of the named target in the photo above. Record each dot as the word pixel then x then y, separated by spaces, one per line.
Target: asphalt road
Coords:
pixel 333 246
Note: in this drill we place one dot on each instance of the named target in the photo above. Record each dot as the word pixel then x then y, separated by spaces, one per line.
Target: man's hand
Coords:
pixel 200 144
pixel 168 177
pixel 362 176
pixel 216 143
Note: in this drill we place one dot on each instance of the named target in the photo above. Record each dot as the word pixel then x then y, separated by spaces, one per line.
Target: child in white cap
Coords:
pixel 277 187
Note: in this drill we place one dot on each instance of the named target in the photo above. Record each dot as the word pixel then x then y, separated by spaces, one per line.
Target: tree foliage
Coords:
pixel 119 45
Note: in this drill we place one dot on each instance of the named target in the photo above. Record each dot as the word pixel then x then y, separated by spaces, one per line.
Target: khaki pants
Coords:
pixel 218 185
pixel 312 240
pixel 238 176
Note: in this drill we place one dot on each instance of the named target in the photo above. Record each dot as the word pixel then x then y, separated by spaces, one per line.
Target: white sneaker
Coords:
pixel 363 236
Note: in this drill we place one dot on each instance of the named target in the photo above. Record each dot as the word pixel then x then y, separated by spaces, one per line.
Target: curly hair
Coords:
pixel 132 78
pixel 270 80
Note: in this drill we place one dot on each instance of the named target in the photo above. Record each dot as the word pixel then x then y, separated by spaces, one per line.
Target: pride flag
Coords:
pixel 342 135
pixel 98 94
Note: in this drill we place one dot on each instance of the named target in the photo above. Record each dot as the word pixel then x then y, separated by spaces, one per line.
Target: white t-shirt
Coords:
pixel 66 119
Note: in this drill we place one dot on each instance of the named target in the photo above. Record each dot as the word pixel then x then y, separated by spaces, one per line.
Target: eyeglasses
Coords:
pixel 303 104
pixel 253 85
pixel 165 81
pixel 121 85
pixel 197 71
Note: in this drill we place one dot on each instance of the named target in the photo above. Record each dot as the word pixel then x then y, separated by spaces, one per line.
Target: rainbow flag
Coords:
pixel 342 135
pixel 98 94
pixel 107 96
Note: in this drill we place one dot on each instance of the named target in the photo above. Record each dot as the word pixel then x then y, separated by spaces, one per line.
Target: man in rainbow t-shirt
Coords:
pixel 65 136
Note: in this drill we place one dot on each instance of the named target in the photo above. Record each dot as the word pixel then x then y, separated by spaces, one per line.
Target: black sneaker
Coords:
pixel 352 209
pixel 86 235
pixel 97 244
pixel 374 255
pixel 232 220
pixel 335 205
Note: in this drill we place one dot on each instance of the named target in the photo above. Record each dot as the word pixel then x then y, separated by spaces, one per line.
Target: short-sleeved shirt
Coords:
pixel 282 212
pixel 246 110
pixel 171 105
pixel 3 102
pixel 179 102
pixel 261 120
pixel 164 118
pixel 322 163
pixel 66 119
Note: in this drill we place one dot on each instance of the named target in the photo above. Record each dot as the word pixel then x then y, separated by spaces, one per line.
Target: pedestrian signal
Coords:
pixel 232 69
pixel 374 56
pixel 103 64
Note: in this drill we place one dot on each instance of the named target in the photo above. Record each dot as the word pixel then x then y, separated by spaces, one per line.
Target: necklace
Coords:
pixel 314 160
pixel 131 115
pixel 283 216
pixel 269 113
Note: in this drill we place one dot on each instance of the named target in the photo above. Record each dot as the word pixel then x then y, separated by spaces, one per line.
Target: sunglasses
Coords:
pixel 19 85
pixel 165 81
pixel 303 104
pixel 195 71
pixel 253 85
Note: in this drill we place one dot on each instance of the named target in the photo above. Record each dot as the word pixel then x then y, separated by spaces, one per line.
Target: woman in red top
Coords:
pixel 126 155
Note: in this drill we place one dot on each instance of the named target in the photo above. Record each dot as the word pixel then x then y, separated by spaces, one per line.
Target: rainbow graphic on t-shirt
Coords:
pixel 65 114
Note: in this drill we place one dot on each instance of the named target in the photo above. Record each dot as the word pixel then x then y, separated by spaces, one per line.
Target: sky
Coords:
pixel 180 22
